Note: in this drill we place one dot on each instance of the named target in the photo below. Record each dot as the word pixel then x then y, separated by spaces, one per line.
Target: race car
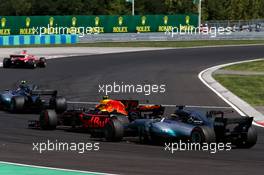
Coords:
pixel 29 98
pixel 193 126
pixel 96 120
pixel 24 60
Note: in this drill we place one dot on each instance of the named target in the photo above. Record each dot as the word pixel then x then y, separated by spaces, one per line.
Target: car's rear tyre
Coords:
pixel 6 63
pixel 202 134
pixel 122 118
pixel 59 104
pixel 114 130
pixel 17 104
pixel 48 120
pixel 42 62
pixel 251 139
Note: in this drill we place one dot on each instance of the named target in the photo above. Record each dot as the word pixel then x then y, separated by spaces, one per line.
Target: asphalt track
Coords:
pixel 77 78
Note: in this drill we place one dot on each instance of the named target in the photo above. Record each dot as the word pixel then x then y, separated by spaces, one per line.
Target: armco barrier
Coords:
pixel 36 39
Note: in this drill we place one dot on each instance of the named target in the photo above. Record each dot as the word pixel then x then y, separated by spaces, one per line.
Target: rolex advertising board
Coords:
pixel 33 25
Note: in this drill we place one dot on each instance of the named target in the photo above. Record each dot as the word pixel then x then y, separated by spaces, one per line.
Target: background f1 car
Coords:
pixel 24 60
pixel 29 98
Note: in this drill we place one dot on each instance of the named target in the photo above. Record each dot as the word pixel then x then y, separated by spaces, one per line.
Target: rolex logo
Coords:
pixel 165 20
pixel 3 22
pixel 187 20
pixel 27 22
pixel 51 21
pixel 143 20
pixel 96 20
pixel 120 20
pixel 74 21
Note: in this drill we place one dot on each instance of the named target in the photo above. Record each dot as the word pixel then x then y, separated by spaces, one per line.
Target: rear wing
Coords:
pixel 44 92
pixel 17 56
pixel 221 113
pixel 238 124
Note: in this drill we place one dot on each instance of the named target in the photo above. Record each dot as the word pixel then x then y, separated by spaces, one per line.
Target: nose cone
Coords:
pixel 5 98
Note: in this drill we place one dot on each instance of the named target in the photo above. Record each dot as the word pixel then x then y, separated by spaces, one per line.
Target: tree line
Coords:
pixel 211 9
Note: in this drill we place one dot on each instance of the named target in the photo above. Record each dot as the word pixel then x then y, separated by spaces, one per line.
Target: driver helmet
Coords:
pixel 23 84
pixel 105 97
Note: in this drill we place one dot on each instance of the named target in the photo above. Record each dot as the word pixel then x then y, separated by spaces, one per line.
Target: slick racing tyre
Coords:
pixel 122 118
pixel 114 130
pixel 250 140
pixel 42 62
pixel 202 134
pixel 17 104
pixel 48 120
pixel 59 104
pixel 6 63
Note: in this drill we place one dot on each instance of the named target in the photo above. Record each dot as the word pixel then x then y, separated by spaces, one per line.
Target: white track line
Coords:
pixel 220 95
pixel 59 169
pixel 165 105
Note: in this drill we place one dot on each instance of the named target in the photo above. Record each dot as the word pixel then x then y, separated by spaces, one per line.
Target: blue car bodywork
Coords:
pixel 6 96
pixel 29 98
pixel 211 126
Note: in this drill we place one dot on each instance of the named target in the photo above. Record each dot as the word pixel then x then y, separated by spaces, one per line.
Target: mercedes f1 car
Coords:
pixel 24 60
pixel 193 126
pixel 29 98
pixel 96 120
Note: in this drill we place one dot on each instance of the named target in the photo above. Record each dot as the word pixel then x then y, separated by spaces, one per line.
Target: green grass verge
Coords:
pixel 10 169
pixel 257 66
pixel 154 43
pixel 249 88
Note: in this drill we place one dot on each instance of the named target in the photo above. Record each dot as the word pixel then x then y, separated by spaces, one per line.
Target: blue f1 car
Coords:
pixel 190 125
pixel 29 98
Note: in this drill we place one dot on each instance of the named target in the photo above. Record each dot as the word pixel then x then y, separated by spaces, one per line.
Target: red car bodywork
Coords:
pixel 24 60
pixel 102 113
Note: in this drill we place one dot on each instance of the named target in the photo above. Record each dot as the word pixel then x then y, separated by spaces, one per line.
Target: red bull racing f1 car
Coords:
pixel 96 120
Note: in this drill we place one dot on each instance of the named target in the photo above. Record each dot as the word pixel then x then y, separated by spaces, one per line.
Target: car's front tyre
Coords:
pixel 48 120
